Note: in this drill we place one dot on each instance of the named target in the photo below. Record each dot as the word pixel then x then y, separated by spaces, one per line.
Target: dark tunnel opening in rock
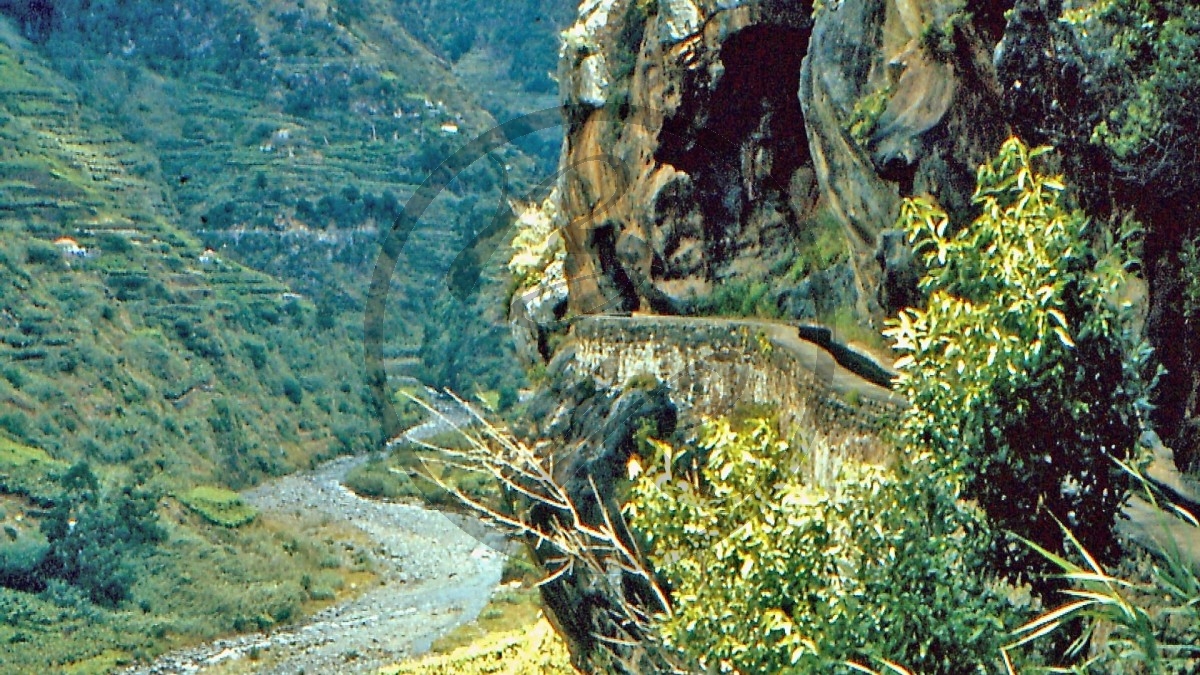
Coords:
pixel 742 140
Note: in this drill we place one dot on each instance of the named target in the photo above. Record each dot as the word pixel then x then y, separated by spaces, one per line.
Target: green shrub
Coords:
pixel 219 506
pixel 1024 377
pixel 821 244
pixel 866 114
pixel 15 376
pixel 740 298
pixel 772 573
pixel 96 538
pixel 1141 65
pixel 41 253
pixel 114 243
pixel 257 351
pixel 293 391
pixel 1025 382
pixel 15 423
pixel 21 555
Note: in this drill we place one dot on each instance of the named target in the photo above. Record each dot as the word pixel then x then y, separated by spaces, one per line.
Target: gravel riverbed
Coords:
pixel 433 577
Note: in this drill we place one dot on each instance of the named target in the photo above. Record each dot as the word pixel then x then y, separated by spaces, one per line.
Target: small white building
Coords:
pixel 449 128
pixel 70 248
pixel 209 257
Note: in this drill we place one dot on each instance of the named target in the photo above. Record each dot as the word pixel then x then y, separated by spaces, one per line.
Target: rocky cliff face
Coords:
pixel 706 137
pixel 703 138
pixel 686 154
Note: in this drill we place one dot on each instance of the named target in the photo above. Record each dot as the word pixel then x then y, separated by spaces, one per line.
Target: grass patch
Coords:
pixel 28 471
pixel 219 506
pixel 532 650
pixel 820 244
pixel 402 475
pixel 740 298
pixel 508 609
pixel 380 479
pixel 202 584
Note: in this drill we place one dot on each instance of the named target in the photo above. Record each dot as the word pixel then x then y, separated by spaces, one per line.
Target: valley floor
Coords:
pixel 433 577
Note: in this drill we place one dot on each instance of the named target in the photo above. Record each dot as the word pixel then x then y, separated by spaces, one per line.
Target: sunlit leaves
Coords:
pixel 1139 58
pixel 1002 362
pixel 772 573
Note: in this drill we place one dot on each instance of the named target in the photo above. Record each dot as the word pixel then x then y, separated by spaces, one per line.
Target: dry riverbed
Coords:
pixel 433 577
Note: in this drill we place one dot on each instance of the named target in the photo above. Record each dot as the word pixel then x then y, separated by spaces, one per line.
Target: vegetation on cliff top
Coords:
pixel 1027 389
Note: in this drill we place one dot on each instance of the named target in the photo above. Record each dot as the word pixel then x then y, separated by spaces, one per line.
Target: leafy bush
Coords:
pixel 293 391
pixel 1025 379
pixel 21 555
pixel 773 571
pixel 1141 66
pixel 219 506
pixel 41 253
pixel 1025 382
pixel 114 243
pixel 94 538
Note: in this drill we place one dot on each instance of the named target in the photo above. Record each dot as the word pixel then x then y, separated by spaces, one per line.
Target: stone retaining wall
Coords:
pixel 712 365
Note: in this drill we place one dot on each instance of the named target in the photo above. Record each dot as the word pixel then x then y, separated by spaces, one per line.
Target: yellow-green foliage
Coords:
pixel 1022 374
pixel 28 471
pixel 1143 55
pixel 219 506
pixel 537 242
pixel 772 572
pixel 535 650
pixel 866 114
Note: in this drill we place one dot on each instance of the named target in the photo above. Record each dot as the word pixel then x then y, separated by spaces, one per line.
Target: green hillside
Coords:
pixel 125 343
pixel 288 134
pixel 190 205
pixel 134 367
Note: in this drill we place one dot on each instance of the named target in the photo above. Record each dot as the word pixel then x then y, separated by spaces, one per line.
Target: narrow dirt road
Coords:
pixel 434 576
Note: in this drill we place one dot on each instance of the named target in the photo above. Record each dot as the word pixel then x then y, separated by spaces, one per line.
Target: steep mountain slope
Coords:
pixel 126 342
pixel 191 198
pixel 135 366
pixel 734 134
pixel 291 133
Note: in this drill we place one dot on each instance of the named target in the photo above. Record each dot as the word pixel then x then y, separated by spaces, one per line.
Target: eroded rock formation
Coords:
pixel 705 173
pixel 704 136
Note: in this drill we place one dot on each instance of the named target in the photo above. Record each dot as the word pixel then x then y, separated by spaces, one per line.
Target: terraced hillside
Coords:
pixel 286 135
pixel 191 199
pixel 123 341
pixel 135 366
